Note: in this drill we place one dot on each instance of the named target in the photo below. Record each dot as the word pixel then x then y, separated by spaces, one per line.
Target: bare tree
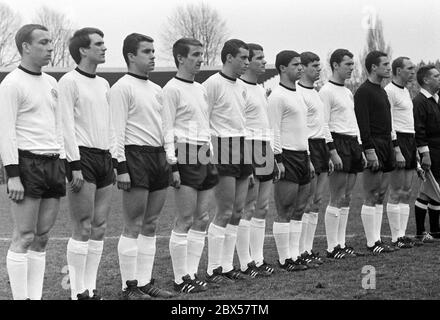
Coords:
pixel 60 28
pixel 9 24
pixel 201 22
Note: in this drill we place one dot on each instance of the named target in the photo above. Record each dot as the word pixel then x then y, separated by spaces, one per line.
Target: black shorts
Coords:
pixel 350 152
pixel 194 171
pixel 319 155
pixel 96 167
pixel 42 176
pixel 407 145
pixel 232 157
pixel 263 159
pixel 148 167
pixel 297 166
pixel 384 149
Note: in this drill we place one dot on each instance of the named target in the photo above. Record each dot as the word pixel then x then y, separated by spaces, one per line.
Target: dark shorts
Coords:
pixel 350 152
pixel 319 155
pixel 434 153
pixel 196 172
pixel 297 166
pixel 385 153
pixel 96 167
pixel 148 167
pixel 262 159
pixel 407 145
pixel 231 158
pixel 42 176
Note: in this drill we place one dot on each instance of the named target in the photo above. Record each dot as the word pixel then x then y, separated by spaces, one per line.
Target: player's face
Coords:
pixel 193 61
pixel 96 51
pixel 433 79
pixel 408 71
pixel 313 70
pixel 345 68
pixel 383 70
pixel 144 59
pixel 240 62
pixel 258 63
pixel 40 48
pixel 294 69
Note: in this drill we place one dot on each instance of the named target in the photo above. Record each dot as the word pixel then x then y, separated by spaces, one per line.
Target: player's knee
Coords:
pixel 262 211
pixel 25 239
pixel 405 194
pixel 98 231
pixel 185 222
pixel 201 222
pixel 40 242
pixel 345 201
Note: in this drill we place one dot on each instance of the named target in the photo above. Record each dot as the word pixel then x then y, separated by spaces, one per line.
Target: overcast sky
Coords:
pixel 410 26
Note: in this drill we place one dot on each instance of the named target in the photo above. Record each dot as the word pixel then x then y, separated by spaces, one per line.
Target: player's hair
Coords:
pixel 81 39
pixel 338 55
pixel 284 57
pixel 131 44
pixel 253 47
pixel 232 47
pixel 398 63
pixel 24 34
pixel 308 57
pixel 181 47
pixel 423 72
pixel 373 57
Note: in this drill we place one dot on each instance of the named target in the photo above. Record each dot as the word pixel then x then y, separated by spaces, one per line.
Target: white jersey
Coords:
pixel 30 115
pixel 187 102
pixel 86 113
pixel 318 127
pixel 139 115
pixel 339 109
pixel 401 109
pixel 227 103
pixel 257 120
pixel 288 118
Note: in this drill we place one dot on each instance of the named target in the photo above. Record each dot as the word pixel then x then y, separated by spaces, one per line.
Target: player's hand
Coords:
pixel 420 172
pixel 251 181
pixel 364 161
pixel 336 160
pixel 400 160
pixel 282 170
pixel 331 167
pixel 312 170
pixel 77 181
pixel 426 161
pixel 124 181
pixel 15 189
pixel 372 160
pixel 276 172
pixel 176 180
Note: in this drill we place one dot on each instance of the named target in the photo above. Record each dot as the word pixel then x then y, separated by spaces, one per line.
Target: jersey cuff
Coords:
pixel 75 165
pixel 12 170
pixel 122 167
pixel 423 149
pixel 331 145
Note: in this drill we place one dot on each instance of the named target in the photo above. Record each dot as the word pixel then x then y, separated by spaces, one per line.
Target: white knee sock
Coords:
pixel 35 274
pixel 368 216
pixel 76 260
pixel 127 254
pixel 404 215
pixel 243 243
pixel 256 237
pixel 93 259
pixel 378 221
pixel 393 214
pixel 145 259
pixel 196 242
pixel 281 232
pixel 311 229
pixel 331 221
pixel 178 251
pixel 17 265
pixel 229 247
pixel 342 228
pixel 295 229
pixel 303 236
pixel 216 239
